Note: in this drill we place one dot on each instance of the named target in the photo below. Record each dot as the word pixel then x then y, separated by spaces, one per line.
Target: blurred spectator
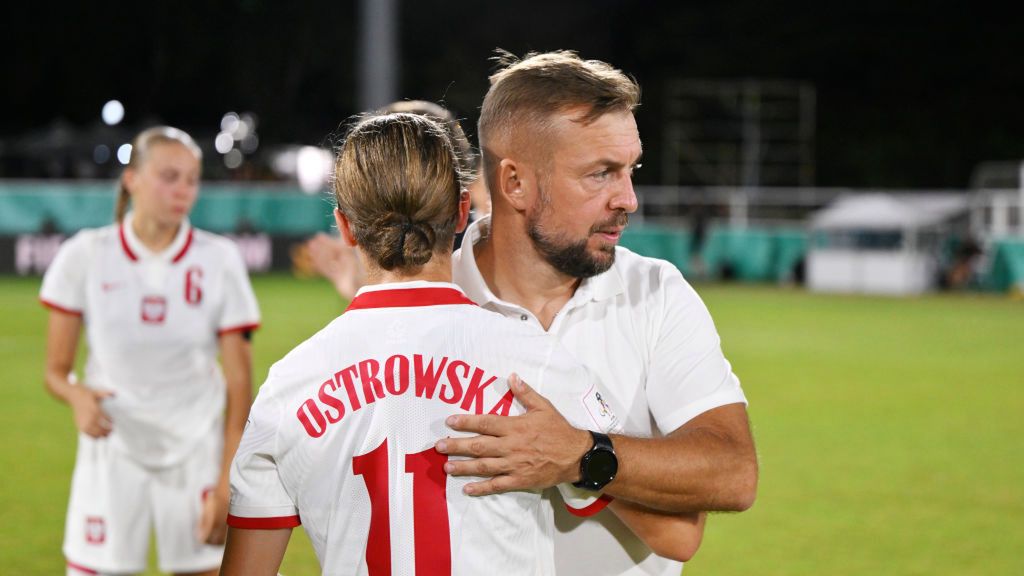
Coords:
pixel 336 261
pixel 961 271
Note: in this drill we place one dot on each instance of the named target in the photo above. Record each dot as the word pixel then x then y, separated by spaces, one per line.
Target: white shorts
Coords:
pixel 116 502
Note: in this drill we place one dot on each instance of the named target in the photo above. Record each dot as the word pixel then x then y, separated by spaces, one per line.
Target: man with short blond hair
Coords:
pixel 560 144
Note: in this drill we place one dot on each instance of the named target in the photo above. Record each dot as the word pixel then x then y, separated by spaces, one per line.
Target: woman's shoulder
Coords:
pixel 214 241
pixel 86 239
pixel 222 248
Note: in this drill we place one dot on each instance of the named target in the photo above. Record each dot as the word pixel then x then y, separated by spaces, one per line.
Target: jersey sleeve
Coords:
pixel 240 312
pixel 64 282
pixel 580 397
pixel 259 499
pixel 689 374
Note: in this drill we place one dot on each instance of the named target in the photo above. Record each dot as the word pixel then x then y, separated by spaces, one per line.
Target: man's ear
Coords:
pixel 464 205
pixel 344 227
pixel 513 183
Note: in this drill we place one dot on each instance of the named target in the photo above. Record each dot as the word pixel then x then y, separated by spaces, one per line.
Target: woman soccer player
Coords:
pixel 335 260
pixel 341 437
pixel 159 300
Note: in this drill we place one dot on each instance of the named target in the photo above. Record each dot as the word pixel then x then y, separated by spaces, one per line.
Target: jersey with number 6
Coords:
pixel 152 323
pixel 342 436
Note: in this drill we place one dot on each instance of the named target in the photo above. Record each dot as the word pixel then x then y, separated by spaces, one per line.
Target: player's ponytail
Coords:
pixel 121 204
pixel 140 148
pixel 401 243
pixel 398 180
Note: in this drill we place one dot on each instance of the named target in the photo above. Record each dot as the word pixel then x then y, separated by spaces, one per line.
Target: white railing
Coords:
pixel 743 207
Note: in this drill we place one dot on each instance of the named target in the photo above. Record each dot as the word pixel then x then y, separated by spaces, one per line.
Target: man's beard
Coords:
pixel 572 257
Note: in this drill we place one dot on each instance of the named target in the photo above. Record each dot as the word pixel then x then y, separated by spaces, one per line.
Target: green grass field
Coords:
pixel 890 431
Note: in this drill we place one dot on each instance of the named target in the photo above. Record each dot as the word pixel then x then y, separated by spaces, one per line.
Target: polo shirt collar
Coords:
pixel 136 250
pixel 414 293
pixel 601 287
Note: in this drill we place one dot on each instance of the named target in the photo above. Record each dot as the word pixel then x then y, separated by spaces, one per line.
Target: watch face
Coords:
pixel 602 466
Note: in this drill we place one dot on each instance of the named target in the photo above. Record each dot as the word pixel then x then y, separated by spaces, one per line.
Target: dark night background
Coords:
pixel 909 94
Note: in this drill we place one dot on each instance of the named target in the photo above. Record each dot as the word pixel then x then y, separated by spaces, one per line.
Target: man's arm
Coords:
pixel 673 536
pixel 254 552
pixel 708 464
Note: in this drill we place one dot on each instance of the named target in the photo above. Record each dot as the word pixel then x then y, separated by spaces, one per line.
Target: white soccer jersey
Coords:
pixel 152 323
pixel 647 336
pixel 342 435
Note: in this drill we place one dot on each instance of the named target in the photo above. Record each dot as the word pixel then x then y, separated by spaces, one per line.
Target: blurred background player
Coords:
pixel 342 433
pixel 330 257
pixel 158 300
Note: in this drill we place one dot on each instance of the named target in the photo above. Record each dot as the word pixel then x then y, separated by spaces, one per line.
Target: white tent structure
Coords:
pixel 880 243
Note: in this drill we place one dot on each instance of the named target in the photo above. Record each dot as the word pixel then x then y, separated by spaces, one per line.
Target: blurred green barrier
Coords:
pixel 67 207
pixel 752 254
pixel 658 242
pixel 744 254
pixel 790 250
pixel 31 207
pixel 1007 265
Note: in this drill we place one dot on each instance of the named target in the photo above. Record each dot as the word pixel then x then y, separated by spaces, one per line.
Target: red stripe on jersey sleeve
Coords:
pixel 272 523
pixel 81 568
pixel 59 308
pixel 594 508
pixel 241 328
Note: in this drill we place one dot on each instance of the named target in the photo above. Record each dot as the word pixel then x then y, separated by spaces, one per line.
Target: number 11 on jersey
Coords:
pixel 430 510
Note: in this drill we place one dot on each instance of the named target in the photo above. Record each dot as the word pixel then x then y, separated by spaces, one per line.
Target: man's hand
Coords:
pixel 213 526
pixel 536 450
pixel 89 415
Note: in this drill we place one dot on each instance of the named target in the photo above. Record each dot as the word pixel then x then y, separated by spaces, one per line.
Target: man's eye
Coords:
pixel 602 175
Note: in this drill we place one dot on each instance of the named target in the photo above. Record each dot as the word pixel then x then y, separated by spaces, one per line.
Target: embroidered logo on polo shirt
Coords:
pixel 95 530
pixel 154 309
pixel 604 417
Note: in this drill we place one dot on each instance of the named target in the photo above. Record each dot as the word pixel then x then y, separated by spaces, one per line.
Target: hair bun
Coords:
pixel 402 241
pixel 397 180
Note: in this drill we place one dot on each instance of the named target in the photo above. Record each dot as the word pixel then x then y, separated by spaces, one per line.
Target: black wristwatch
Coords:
pixel 599 465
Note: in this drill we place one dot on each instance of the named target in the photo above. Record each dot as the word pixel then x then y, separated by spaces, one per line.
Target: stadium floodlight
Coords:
pixel 233 159
pixel 229 122
pixel 112 113
pixel 223 142
pixel 124 154
pixel 250 143
pixel 312 167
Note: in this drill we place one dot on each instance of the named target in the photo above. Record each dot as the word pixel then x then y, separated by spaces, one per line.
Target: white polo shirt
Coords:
pixel 152 323
pixel 342 436
pixel 644 332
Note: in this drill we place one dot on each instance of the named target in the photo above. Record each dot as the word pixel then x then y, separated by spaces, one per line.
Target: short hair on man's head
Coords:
pixel 525 93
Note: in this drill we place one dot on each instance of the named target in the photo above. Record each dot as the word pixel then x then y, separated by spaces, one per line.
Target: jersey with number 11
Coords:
pixel 341 437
